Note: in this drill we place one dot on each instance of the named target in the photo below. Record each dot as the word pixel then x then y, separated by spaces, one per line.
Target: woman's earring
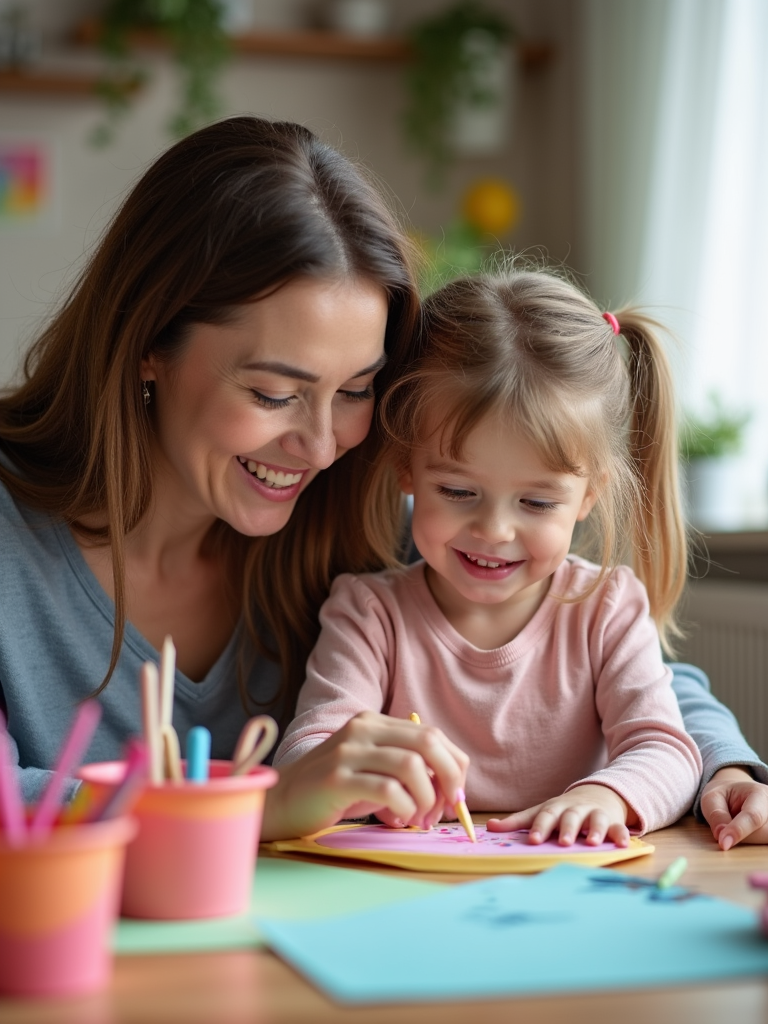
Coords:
pixel 145 393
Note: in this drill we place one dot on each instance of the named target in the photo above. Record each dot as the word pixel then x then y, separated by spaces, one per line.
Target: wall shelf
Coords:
pixel 38 82
pixel 314 43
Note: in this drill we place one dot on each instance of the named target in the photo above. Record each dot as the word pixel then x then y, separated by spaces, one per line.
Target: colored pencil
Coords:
pixel 12 818
pixel 122 799
pixel 198 754
pixel 672 874
pixel 74 747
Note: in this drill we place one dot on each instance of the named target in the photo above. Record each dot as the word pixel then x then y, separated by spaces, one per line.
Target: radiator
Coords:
pixel 727 625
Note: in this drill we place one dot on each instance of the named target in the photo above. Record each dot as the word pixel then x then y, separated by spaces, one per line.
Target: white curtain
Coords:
pixel 675 186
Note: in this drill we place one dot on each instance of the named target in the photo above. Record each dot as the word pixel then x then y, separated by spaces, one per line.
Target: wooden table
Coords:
pixel 257 988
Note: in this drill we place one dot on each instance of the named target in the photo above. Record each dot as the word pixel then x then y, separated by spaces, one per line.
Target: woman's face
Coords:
pixel 251 411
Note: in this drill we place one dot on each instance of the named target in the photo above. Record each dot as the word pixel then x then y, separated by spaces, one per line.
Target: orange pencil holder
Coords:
pixel 195 851
pixel 58 902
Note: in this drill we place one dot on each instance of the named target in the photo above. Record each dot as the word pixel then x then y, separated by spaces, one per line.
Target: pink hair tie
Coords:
pixel 613 322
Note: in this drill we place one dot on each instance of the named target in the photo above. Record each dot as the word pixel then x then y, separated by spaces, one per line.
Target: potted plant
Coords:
pixel 455 83
pixel 489 209
pixel 195 32
pixel 709 445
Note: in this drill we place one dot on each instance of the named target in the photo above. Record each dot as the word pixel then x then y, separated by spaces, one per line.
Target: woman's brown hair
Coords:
pixel 531 347
pixel 230 212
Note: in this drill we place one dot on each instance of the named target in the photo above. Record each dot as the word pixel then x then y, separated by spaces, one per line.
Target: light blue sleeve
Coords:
pixel 713 727
pixel 33 781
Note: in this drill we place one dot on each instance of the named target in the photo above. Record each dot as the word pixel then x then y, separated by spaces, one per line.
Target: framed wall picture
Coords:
pixel 27 181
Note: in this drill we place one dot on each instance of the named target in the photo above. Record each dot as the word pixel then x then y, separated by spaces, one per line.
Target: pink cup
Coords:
pixel 195 852
pixel 58 903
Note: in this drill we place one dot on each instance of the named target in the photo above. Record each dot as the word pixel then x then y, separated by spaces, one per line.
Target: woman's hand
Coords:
pixel 404 773
pixel 736 808
pixel 593 809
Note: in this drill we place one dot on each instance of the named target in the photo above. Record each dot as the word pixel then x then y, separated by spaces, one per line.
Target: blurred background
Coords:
pixel 624 139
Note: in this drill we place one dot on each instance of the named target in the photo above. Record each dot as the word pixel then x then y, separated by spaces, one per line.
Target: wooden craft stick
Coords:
pixel 167 681
pixel 150 706
pixel 171 754
pixel 255 742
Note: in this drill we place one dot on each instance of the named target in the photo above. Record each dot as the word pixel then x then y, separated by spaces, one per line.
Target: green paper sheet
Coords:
pixel 284 890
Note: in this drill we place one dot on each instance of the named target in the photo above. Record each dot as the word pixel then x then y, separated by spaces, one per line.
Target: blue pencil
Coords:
pixel 198 754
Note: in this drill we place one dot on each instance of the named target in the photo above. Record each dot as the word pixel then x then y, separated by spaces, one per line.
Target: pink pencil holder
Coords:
pixel 58 903
pixel 195 852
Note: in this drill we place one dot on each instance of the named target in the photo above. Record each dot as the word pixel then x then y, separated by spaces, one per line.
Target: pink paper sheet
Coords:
pixel 449 839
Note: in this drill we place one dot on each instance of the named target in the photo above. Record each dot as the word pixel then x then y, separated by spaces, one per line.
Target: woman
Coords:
pixel 190 453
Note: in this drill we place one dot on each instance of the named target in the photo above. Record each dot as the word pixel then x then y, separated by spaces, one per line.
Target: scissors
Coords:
pixel 255 742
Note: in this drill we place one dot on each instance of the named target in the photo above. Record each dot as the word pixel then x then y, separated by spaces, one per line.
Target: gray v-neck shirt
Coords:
pixel 56 626
pixel 56 629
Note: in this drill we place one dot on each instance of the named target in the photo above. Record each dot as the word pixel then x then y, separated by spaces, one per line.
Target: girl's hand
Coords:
pixel 736 808
pixel 593 809
pixel 402 772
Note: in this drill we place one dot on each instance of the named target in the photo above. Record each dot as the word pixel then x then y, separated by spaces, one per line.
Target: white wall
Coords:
pixel 354 106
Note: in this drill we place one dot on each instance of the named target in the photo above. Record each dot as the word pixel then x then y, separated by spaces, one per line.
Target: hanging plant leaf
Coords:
pixel 445 72
pixel 200 49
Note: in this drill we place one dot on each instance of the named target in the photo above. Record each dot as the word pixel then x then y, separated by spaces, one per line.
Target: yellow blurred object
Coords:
pixel 491 205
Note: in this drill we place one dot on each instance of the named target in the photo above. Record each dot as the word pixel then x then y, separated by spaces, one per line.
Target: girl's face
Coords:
pixel 493 527
pixel 254 409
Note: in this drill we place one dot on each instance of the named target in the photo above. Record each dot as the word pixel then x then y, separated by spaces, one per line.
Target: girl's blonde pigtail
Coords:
pixel 659 540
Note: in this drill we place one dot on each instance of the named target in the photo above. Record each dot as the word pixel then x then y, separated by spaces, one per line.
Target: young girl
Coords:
pixel 529 417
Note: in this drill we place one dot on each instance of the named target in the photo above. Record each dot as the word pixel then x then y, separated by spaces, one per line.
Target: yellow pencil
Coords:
pixel 460 807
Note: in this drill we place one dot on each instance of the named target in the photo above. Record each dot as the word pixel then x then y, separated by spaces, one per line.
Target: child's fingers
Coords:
pixel 571 823
pixel 513 822
pixel 387 817
pixel 442 811
pixel 595 827
pixel 377 793
pixel 444 759
pixel 598 827
pixel 618 834
pixel 405 770
pixel 544 823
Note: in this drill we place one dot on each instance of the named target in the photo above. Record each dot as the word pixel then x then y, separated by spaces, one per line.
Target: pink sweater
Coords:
pixel 580 695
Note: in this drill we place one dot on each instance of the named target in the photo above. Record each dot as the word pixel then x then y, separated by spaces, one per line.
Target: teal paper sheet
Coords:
pixel 569 929
pixel 283 889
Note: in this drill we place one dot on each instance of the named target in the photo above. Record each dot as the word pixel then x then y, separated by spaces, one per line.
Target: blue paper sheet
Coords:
pixel 566 930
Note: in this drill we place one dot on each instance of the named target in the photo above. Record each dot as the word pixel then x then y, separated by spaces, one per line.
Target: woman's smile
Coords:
pixel 250 411
pixel 275 484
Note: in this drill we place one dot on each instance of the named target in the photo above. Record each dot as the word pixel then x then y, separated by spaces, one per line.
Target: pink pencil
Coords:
pixel 127 793
pixel 75 745
pixel 11 806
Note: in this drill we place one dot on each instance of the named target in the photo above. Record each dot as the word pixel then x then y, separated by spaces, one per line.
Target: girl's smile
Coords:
pixel 487 567
pixel 492 528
